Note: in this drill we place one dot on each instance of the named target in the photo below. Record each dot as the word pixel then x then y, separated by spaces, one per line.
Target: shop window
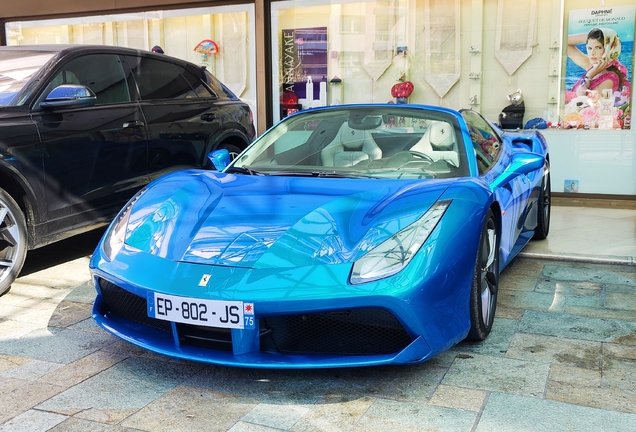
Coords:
pixel 352 24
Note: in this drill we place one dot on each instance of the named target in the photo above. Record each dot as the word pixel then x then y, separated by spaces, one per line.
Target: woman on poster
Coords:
pixel 603 71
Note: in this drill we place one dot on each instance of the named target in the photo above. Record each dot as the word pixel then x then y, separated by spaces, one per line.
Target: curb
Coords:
pixel 591 259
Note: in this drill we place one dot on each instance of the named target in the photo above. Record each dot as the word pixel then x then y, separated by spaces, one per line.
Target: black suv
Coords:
pixel 82 128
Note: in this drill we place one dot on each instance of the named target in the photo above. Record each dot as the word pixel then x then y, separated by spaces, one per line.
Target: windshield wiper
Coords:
pixel 330 174
pixel 242 170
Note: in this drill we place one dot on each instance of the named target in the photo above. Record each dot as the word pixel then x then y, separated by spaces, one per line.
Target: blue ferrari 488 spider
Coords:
pixel 349 235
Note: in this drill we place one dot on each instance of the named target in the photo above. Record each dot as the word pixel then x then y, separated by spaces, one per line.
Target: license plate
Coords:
pixel 210 313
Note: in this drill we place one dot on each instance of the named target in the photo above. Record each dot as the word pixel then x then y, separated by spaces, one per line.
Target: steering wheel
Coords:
pixel 422 156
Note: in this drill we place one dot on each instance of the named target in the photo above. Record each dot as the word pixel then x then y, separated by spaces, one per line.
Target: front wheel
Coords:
pixel 483 295
pixel 12 241
pixel 543 217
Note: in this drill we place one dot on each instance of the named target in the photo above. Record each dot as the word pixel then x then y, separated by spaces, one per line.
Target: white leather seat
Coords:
pixel 439 143
pixel 349 147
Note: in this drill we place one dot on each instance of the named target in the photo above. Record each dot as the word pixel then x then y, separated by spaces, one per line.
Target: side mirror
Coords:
pixel 522 163
pixel 219 159
pixel 69 96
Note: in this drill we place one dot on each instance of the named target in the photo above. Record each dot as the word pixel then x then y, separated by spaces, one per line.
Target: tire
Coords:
pixel 12 241
pixel 543 216
pixel 483 295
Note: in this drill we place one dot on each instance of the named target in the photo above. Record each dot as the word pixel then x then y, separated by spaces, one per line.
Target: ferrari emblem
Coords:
pixel 204 280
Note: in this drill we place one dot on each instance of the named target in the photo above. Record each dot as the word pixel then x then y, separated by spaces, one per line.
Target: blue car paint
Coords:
pixel 280 262
pixel 293 287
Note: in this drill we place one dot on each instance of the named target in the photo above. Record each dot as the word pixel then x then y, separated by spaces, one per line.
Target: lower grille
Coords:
pixel 369 331
pixel 126 305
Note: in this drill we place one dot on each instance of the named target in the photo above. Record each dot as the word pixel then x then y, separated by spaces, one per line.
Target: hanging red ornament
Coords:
pixel 402 89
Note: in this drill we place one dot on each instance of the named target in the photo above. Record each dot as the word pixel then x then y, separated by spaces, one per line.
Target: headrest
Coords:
pixel 441 136
pixel 351 139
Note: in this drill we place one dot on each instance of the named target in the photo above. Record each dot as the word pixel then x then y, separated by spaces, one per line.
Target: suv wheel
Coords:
pixel 12 241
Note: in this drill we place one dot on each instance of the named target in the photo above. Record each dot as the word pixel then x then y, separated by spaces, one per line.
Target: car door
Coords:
pixel 514 195
pixel 180 114
pixel 94 157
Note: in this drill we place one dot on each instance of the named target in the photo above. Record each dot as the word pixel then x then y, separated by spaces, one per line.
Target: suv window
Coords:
pixel 486 142
pixel 158 79
pixel 102 73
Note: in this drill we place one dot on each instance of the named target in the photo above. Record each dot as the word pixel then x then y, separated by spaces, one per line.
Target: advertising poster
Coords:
pixel 599 68
pixel 304 67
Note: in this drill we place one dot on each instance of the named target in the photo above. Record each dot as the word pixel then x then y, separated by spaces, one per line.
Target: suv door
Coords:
pixel 94 157
pixel 180 114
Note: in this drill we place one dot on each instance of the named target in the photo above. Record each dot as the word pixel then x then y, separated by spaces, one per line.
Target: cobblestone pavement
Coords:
pixel 561 357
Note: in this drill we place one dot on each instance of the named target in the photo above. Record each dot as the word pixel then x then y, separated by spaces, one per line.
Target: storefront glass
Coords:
pixel 216 37
pixel 506 59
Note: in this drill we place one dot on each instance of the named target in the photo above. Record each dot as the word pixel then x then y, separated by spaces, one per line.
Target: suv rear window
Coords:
pixel 159 79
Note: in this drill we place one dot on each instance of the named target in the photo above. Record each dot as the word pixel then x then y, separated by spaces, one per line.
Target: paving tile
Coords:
pixel 592 312
pixel 619 373
pixel 575 376
pixel 68 313
pixel 498 374
pixel 283 386
pixel 422 416
pixel 56 345
pixel 513 413
pixel 619 351
pixel 528 300
pixel 32 370
pixel 458 398
pixel 497 342
pixel 250 427
pixel 84 293
pixel 10 330
pixel 334 414
pixel 575 327
pixel 607 399
pixel 187 408
pixel 82 369
pixel 585 294
pixel 32 420
pixel 517 283
pixel 279 416
pixel 411 383
pixel 18 396
pixel 120 390
pixel 621 301
pixel 8 362
pixel 523 268
pixel 589 273
pixel 73 424
pixel 550 349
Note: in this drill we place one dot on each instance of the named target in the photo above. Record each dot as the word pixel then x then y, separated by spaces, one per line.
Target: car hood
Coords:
pixel 271 221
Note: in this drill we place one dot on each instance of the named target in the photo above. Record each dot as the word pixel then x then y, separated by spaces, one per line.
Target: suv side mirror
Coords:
pixel 69 96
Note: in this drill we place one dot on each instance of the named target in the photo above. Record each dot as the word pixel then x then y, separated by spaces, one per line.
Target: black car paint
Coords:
pixel 71 170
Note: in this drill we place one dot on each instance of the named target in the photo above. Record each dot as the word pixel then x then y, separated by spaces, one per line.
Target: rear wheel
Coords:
pixel 483 296
pixel 543 218
pixel 12 241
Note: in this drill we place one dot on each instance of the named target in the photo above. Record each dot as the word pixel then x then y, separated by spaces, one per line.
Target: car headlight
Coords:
pixel 392 255
pixel 116 235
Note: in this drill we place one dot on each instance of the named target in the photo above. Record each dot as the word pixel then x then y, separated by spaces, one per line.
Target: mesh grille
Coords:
pixel 123 304
pixel 368 331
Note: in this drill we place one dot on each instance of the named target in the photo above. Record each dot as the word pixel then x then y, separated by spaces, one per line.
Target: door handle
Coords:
pixel 133 124
pixel 208 117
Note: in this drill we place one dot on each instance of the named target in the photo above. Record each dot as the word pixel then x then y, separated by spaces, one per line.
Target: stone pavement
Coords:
pixel 561 357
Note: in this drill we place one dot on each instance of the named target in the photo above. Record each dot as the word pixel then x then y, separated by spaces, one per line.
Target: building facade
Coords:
pixel 519 62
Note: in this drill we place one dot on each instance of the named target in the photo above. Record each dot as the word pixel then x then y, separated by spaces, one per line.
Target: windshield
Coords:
pixel 379 141
pixel 16 69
